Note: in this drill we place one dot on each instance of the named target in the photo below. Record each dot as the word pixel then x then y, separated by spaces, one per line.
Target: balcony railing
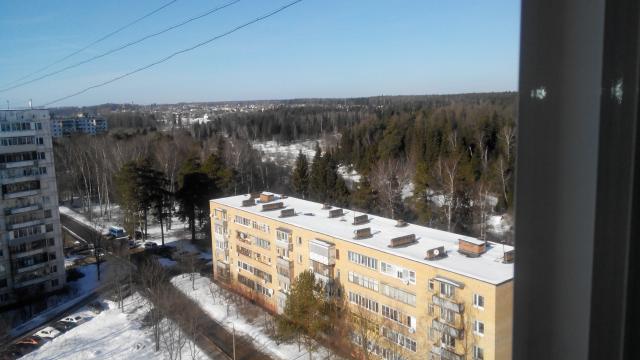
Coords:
pixel 446 354
pixel 287 245
pixel 444 327
pixel 447 303
pixel 22 209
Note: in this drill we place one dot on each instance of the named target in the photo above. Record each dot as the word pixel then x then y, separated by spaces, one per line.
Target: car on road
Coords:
pixel 150 245
pixel 64 326
pixel 75 319
pixel 48 333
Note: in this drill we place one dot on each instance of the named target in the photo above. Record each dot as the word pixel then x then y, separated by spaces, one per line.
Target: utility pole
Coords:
pixel 234 341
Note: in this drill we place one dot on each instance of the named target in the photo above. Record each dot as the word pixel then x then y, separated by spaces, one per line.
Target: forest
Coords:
pixel 443 161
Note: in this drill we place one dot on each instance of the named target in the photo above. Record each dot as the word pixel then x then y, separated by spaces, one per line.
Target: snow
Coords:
pixel 499 224
pixel 349 175
pixel 112 334
pixel 407 190
pixel 237 318
pixel 285 155
pixel 69 260
pixel 488 267
pixel 177 236
pixel 80 290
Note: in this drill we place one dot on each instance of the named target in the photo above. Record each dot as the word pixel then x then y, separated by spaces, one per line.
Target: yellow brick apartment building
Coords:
pixel 437 295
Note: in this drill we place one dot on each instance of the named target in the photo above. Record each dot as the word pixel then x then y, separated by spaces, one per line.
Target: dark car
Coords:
pixel 63 326
pixel 150 245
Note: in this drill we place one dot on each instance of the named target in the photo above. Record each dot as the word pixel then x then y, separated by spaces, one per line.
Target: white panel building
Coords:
pixel 31 249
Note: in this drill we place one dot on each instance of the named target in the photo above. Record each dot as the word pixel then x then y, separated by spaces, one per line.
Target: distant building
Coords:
pixel 82 124
pixel 31 249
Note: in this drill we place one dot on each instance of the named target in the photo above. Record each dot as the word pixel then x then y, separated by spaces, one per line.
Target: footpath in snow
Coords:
pixel 112 334
pixel 248 319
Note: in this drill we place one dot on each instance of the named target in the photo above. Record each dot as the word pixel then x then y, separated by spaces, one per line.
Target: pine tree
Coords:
pixel 317 178
pixel 195 190
pixel 364 198
pixel 300 176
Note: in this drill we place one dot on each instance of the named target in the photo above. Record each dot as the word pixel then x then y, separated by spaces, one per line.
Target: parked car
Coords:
pixel 63 326
pixel 76 319
pixel 30 340
pixel 150 245
pixel 48 333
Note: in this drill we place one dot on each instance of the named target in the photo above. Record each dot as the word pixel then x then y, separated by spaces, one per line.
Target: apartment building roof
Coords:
pixel 487 266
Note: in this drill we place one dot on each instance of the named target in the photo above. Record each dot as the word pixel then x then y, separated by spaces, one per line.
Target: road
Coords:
pixel 215 340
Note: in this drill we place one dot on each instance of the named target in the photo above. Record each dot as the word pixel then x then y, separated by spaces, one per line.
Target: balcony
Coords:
pixel 21 283
pixel 17 164
pixel 21 194
pixel 283 262
pixel 20 225
pixel 445 354
pixel 32 267
pixel 22 209
pixel 447 328
pixel 447 303
pixel 322 252
pixel 287 245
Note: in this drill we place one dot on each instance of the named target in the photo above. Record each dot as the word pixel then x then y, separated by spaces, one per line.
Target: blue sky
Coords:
pixel 317 48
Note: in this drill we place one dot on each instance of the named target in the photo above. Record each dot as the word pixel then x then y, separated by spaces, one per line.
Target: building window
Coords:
pixel 478 353
pixel 432 285
pixel 3 283
pixel 478 301
pixel 478 327
pixel 431 309
pixel 54 282
pixel 448 340
pixel 300 259
pixel 299 240
pixel 447 315
pixel 363 260
pixel 54 269
pixel 446 289
pixel 364 281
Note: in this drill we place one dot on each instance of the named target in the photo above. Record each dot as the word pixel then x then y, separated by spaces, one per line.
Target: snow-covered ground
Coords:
pixel 112 334
pixel 285 155
pixel 253 329
pixel 178 236
pixel 80 289
pixel 499 224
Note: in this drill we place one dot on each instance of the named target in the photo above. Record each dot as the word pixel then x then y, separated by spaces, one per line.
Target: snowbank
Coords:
pixel 253 329
pixel 111 334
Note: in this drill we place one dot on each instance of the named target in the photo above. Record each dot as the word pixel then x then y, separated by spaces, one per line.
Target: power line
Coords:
pixel 229 32
pixel 93 43
pixel 214 10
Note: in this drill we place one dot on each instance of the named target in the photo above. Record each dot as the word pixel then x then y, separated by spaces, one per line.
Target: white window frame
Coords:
pixel 478 327
pixel 476 301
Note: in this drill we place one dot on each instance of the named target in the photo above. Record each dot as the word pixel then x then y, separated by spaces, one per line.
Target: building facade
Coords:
pixel 31 249
pixel 81 124
pixel 432 294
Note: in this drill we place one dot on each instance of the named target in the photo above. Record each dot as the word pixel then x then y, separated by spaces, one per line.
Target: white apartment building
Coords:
pixel 31 249
pixel 82 123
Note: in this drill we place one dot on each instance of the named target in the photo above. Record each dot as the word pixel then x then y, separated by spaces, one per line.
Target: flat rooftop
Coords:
pixel 487 267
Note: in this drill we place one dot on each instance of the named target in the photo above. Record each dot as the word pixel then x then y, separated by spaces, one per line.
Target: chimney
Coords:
pixel 326 206
pixel 401 223
pixel 361 219
pixel 272 206
pixel 402 240
pixel 436 253
pixel 471 247
pixel 266 197
pixel 509 257
pixel 287 212
pixel 363 233
pixel 248 202
pixel 335 213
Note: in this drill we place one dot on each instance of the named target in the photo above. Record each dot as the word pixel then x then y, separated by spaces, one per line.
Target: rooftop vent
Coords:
pixel 401 223
pixel 248 202
pixel 254 195
pixel 402 240
pixel 359 220
pixel 326 206
pixel 436 253
pixel 272 206
pixel 266 197
pixel 363 233
pixel 287 212
pixel 471 247
pixel 509 257
pixel 335 213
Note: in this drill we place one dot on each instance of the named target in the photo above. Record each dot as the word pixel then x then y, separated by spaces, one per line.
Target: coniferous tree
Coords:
pixel 195 190
pixel 317 178
pixel 300 176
